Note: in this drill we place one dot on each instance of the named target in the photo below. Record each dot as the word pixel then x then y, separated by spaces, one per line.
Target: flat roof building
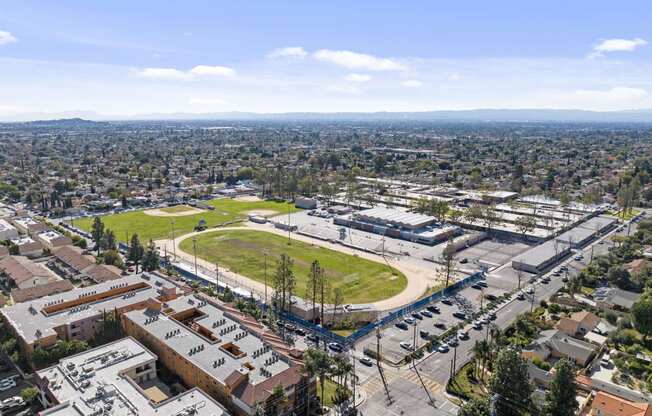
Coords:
pixel 29 225
pixel 230 356
pixel 116 379
pixel 52 239
pixel 541 257
pixel 75 314
pixel 7 231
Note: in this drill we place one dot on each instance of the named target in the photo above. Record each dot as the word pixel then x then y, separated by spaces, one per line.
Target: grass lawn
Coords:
pixel 177 209
pixel 329 392
pixel 361 280
pixel 627 216
pixel 149 227
pixel 464 385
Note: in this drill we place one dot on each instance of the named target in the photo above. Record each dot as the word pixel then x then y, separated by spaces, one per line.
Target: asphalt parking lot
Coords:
pixel 492 253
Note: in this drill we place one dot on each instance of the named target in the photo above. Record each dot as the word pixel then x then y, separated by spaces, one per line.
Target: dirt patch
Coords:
pixel 248 198
pixel 263 212
pixel 161 213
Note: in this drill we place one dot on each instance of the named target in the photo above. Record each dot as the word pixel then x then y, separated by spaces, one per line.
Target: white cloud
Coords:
pixel 164 73
pixel 454 77
pixel 411 83
pixel 344 89
pixel 288 52
pixel 177 74
pixel 619 94
pixel 6 38
pixel 358 77
pixel 616 45
pixel 208 101
pixel 354 60
pixel 222 71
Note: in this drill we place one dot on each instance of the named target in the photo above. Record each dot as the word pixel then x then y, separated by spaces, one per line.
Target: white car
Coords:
pixel 443 348
pixel 406 345
pixel 7 384
pixel 11 402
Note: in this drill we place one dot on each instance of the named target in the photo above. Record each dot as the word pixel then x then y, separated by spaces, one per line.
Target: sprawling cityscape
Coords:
pixel 330 258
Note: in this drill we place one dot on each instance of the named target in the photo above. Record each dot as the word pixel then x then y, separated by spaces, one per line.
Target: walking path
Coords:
pixel 418 278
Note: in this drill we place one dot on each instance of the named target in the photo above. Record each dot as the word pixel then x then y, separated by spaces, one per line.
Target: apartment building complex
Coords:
pixel 226 354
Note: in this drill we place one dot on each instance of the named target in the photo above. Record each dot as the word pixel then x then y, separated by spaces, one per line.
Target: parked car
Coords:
pixel 433 309
pixel 335 347
pixel 300 332
pixel 417 315
pixel 605 361
pixel 520 296
pixel 464 260
pixel 15 401
pixel 426 314
pixel 530 290
pixel 564 279
pixel 440 325
pixel 290 327
pixel 476 286
pixel 492 316
pixel 482 283
pixel 477 325
pixel 312 337
pixel 424 334
pixel 443 348
pixel 409 320
pixel 401 325
pixel 459 315
pixel 447 301
pixel 366 361
pixel 452 342
pixel 406 345
pixel 463 335
pixel 7 383
pixel 490 297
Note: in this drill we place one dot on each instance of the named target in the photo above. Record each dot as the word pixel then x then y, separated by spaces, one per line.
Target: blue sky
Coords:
pixel 134 57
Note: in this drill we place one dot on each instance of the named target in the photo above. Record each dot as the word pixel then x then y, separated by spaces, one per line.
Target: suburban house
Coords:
pixel 36 292
pixel 605 404
pixel 578 324
pixel 614 298
pixel 70 261
pixel 554 343
pixel 23 272
pixel 27 246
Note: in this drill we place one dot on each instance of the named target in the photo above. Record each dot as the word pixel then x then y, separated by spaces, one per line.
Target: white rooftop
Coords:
pixel 95 383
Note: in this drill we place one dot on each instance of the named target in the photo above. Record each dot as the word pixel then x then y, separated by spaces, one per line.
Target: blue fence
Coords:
pixel 417 305
pixel 367 329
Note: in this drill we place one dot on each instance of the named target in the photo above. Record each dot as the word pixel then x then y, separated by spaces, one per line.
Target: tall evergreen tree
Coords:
pixel 136 251
pixel 97 232
pixel 510 383
pixel 561 396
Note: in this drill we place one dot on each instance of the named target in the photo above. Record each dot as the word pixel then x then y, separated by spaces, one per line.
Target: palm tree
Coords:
pixel 316 363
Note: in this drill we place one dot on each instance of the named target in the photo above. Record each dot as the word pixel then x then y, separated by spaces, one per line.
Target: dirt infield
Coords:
pixel 263 212
pixel 187 210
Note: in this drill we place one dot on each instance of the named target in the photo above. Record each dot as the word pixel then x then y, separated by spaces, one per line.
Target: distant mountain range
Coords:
pixel 480 115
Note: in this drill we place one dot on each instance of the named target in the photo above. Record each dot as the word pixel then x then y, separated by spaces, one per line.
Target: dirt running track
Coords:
pixel 418 279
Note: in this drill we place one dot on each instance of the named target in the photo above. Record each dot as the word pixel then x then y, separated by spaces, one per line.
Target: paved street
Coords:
pixel 406 390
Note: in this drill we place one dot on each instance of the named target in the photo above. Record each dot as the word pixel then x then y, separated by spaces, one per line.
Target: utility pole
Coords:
pixel 289 238
pixel 217 278
pixel 265 266
pixel 194 251
pixel 174 243
pixel 534 289
pixel 380 367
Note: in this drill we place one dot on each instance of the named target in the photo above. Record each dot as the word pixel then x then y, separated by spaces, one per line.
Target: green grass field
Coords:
pixel 177 209
pixel 149 227
pixel 361 280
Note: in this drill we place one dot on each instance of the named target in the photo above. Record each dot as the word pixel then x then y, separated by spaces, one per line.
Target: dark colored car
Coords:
pixel 433 308
pixel 440 325
pixel 402 325
pixel 417 315
pixel 312 337
pixel 300 332
pixel 459 315
pixel 424 334
pixel 335 347
pixel 447 301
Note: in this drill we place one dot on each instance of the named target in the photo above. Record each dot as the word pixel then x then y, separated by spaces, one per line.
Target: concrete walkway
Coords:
pixel 418 278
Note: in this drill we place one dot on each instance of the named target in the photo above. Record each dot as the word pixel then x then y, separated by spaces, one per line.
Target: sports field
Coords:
pixel 241 251
pixel 151 227
pixel 177 209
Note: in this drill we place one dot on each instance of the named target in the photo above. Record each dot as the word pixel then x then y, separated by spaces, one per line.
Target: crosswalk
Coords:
pixel 431 384
pixel 374 384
